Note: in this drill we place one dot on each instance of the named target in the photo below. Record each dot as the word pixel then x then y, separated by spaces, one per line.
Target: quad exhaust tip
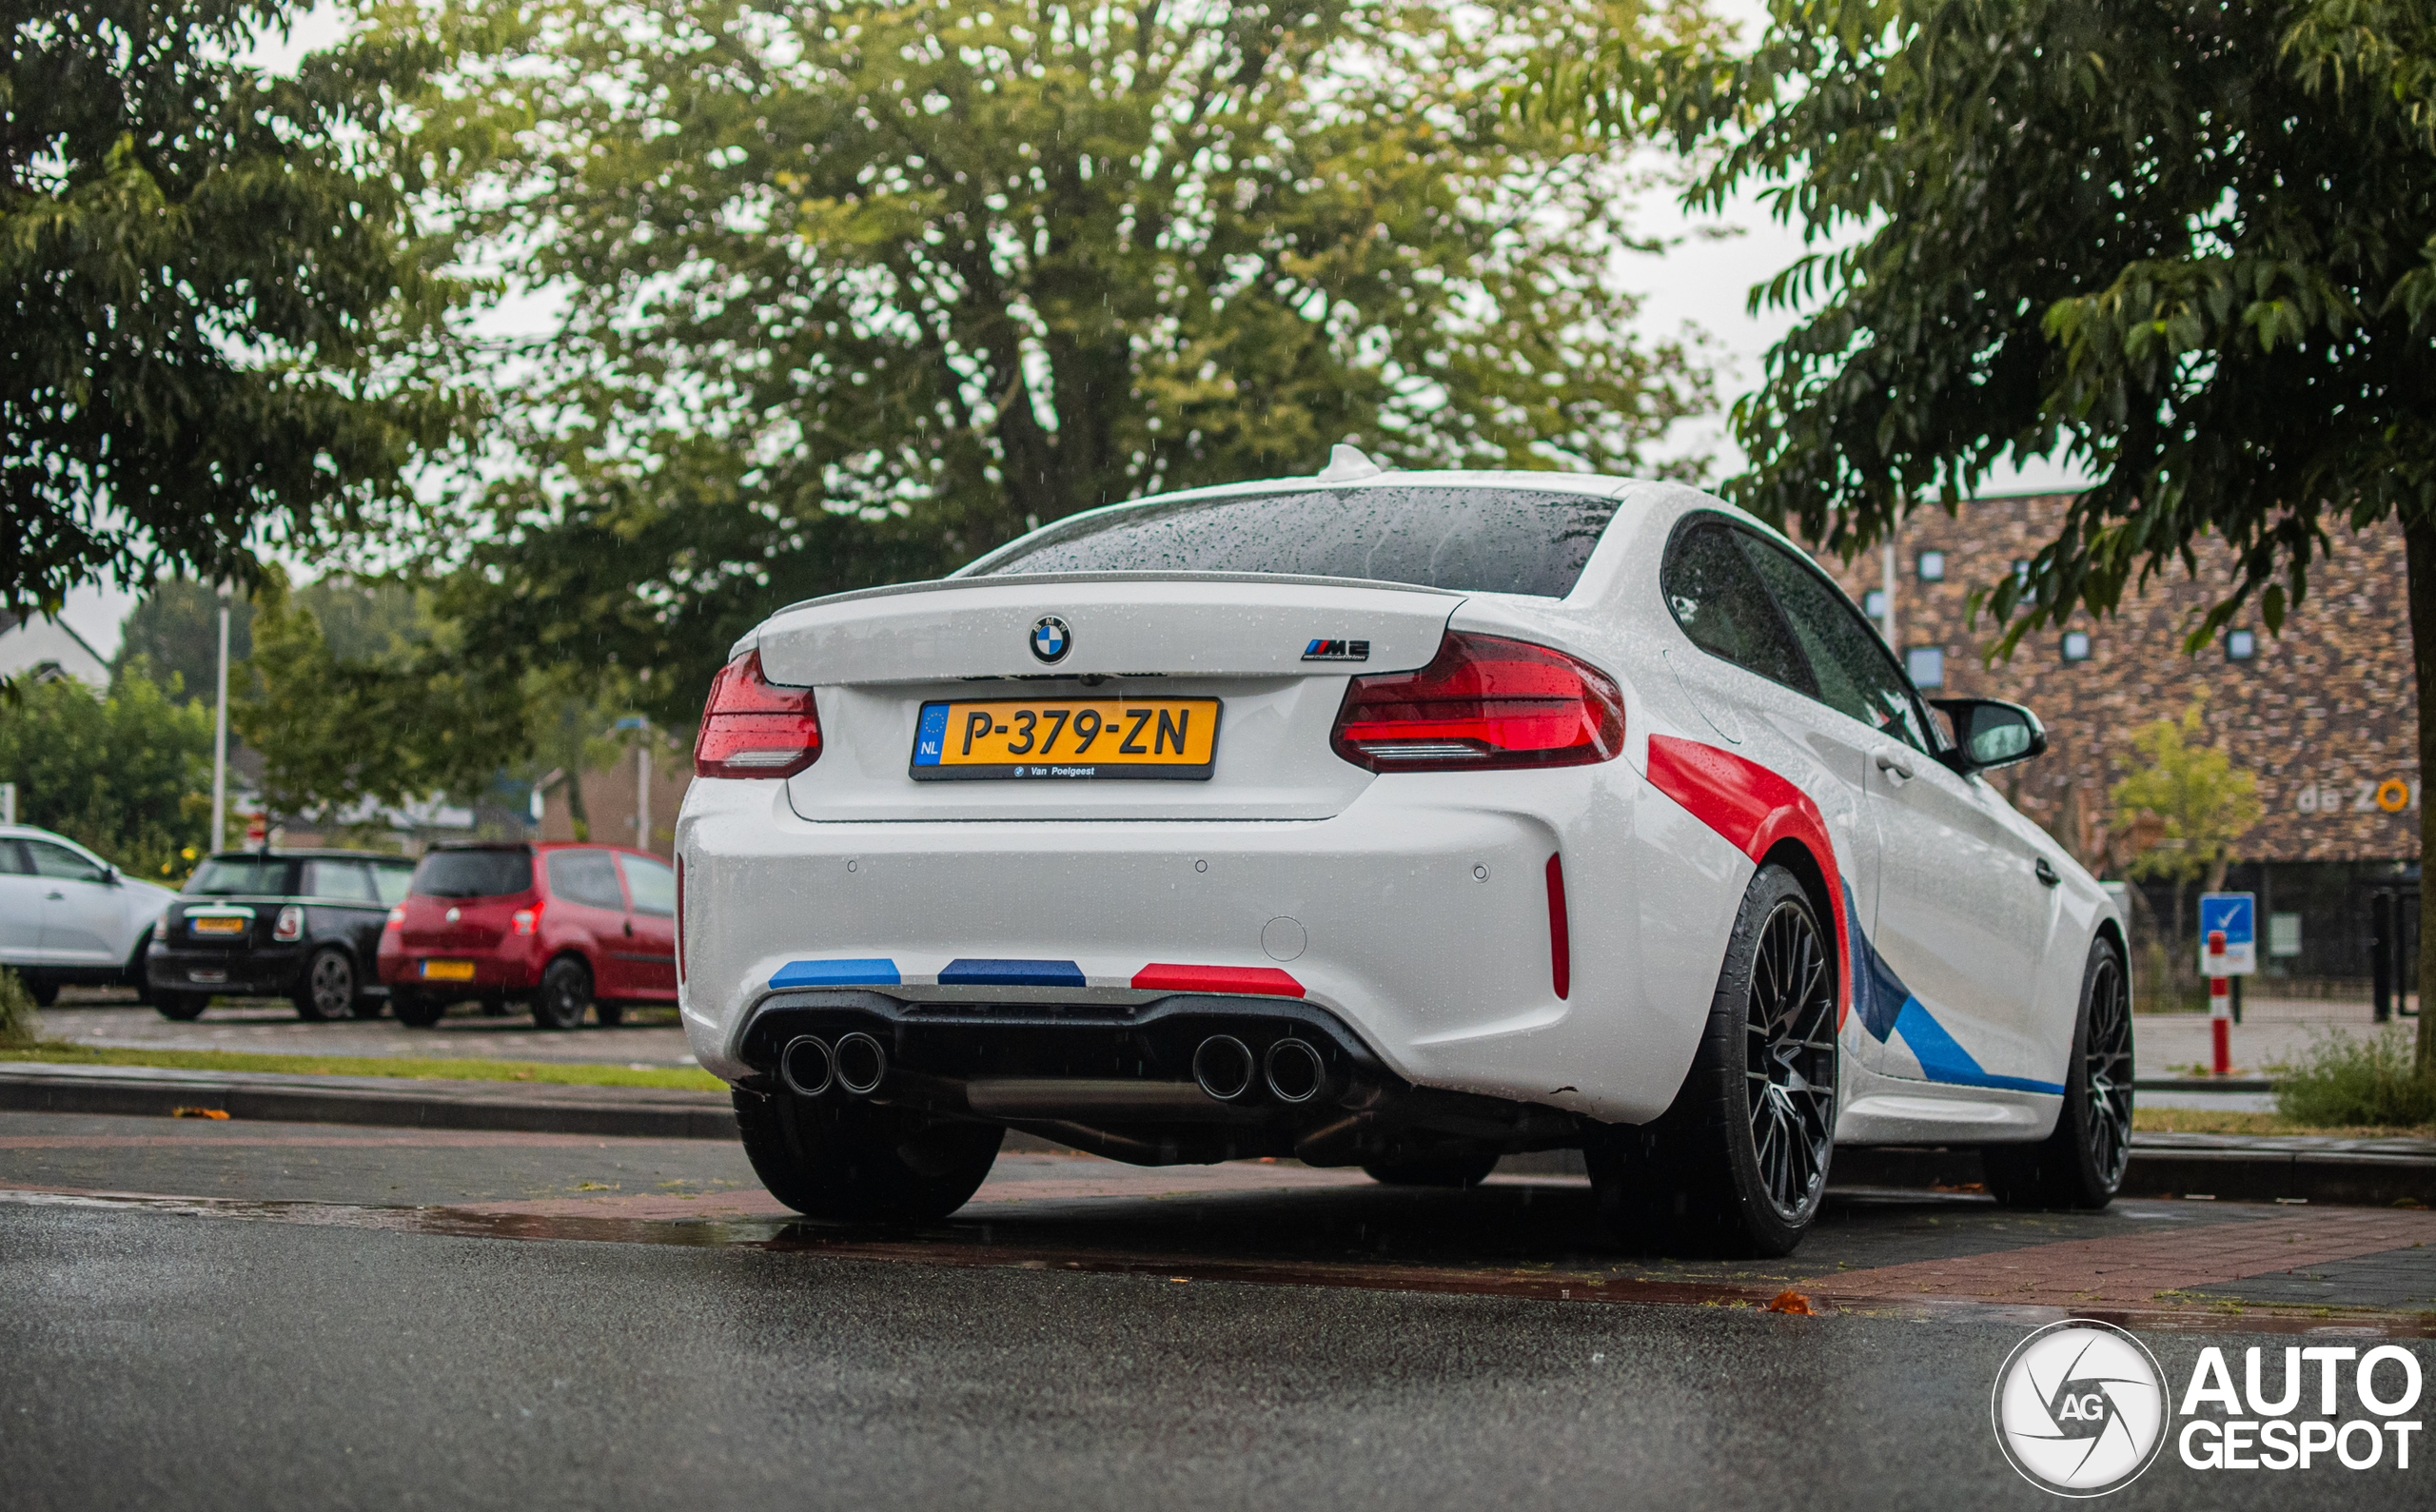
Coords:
pixel 1223 1066
pixel 807 1066
pixel 1294 1072
pixel 861 1062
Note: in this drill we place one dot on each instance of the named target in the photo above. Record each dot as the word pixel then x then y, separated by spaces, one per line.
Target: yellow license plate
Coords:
pixel 1054 738
pixel 218 924
pixel 448 970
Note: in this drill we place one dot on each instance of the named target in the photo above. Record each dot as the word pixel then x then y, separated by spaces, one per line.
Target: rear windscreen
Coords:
pixel 474 873
pixel 239 876
pixel 1476 539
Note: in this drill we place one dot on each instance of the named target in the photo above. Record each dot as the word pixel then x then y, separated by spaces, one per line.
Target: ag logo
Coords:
pixel 2080 1408
pixel 1051 639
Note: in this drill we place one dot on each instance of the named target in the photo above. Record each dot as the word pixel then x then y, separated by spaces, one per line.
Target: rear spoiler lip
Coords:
pixel 751 639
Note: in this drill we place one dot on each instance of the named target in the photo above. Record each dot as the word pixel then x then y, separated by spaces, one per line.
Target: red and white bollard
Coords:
pixel 2220 1006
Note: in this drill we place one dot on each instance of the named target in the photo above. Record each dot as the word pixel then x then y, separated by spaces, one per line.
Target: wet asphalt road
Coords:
pixel 162 1361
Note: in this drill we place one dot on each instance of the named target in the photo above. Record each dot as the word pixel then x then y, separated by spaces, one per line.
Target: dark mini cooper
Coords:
pixel 303 925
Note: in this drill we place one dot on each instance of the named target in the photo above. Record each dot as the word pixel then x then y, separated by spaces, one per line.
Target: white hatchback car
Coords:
pixel 69 916
pixel 1401 820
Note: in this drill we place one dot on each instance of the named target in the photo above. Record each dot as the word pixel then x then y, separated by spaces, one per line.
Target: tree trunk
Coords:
pixel 2419 542
pixel 578 820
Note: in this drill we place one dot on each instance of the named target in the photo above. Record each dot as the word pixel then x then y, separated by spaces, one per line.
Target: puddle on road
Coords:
pixel 957 1245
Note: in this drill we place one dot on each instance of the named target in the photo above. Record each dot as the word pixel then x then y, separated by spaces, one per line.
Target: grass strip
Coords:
pixel 433 1067
pixel 2209 1121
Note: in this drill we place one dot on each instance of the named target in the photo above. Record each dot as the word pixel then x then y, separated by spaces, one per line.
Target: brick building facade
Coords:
pixel 2324 716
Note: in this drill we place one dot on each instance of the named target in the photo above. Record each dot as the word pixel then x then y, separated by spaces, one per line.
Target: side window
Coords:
pixel 586 877
pixel 61 862
pixel 1719 601
pixel 13 859
pixel 651 885
pixel 337 879
pixel 392 882
pixel 1857 673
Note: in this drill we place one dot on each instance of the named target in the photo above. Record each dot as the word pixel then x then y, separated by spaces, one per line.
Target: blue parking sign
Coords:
pixel 2227 933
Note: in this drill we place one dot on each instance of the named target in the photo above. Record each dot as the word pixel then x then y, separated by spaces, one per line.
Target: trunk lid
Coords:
pixel 1275 652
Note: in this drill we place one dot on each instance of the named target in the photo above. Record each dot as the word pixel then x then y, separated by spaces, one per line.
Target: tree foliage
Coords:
pixel 219 314
pixel 851 291
pixel 2189 244
pixel 128 774
pixel 350 698
pixel 2205 805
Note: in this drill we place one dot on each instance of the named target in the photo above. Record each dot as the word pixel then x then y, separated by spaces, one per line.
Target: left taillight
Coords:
pixel 397 917
pixel 290 925
pixel 1485 703
pixel 752 729
pixel 525 920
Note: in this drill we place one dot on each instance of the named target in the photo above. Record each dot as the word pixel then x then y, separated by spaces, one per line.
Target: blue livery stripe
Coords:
pixel 1943 1060
pixel 837 974
pixel 979 972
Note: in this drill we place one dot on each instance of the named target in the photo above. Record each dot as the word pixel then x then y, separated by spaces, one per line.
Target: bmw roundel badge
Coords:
pixel 1051 639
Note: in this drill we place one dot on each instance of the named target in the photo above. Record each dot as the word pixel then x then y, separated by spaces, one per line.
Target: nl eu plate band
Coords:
pixel 1066 740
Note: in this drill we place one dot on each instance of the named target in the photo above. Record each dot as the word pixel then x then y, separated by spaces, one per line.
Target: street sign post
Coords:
pixel 2227 948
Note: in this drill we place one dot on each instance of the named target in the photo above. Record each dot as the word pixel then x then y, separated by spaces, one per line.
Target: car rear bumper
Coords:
pixel 1418 918
pixel 271 972
pixel 493 975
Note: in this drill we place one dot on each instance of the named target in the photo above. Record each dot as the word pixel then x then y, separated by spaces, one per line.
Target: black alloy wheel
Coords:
pixel 181 1008
pixel 327 989
pixel 566 994
pixel 415 1009
pixel 2082 1164
pixel 846 1159
pixel 1737 1165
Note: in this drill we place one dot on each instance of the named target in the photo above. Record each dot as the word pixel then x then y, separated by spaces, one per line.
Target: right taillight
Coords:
pixel 1484 703
pixel 750 729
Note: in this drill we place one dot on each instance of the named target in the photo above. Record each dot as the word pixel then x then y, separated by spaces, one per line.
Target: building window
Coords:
pixel 1927 666
pixel 2241 646
pixel 1933 566
pixel 2076 645
pixel 1873 604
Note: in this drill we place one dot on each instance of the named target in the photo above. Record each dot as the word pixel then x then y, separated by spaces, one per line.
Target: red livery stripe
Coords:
pixel 1754 807
pixel 1263 981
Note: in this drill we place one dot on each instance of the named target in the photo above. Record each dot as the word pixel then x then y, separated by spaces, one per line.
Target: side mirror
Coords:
pixel 1990 733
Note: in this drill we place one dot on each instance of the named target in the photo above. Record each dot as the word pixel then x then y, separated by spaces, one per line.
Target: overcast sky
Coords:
pixel 1700 282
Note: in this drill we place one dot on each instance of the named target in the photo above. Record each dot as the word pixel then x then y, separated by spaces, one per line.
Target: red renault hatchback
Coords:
pixel 561 927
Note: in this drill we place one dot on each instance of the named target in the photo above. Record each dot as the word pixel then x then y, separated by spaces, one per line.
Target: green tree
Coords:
pixel 2204 805
pixel 175 631
pixel 351 697
pixel 853 291
pixel 220 319
pixel 128 774
pixel 2187 245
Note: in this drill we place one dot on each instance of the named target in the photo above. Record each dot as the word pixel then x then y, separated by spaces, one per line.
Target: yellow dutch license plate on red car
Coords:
pixel 218 924
pixel 448 970
pixel 1066 738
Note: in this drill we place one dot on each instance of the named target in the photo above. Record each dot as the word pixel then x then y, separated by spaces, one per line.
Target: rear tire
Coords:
pixel 1445 1171
pixel 181 1008
pixel 414 1010
pixel 1737 1165
pixel 326 991
pixel 45 993
pixel 565 992
pixel 2080 1165
pixel 857 1161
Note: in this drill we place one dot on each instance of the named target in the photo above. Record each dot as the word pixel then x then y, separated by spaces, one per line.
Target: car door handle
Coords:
pixel 56 897
pixel 630 929
pixel 1888 761
pixel 2048 876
